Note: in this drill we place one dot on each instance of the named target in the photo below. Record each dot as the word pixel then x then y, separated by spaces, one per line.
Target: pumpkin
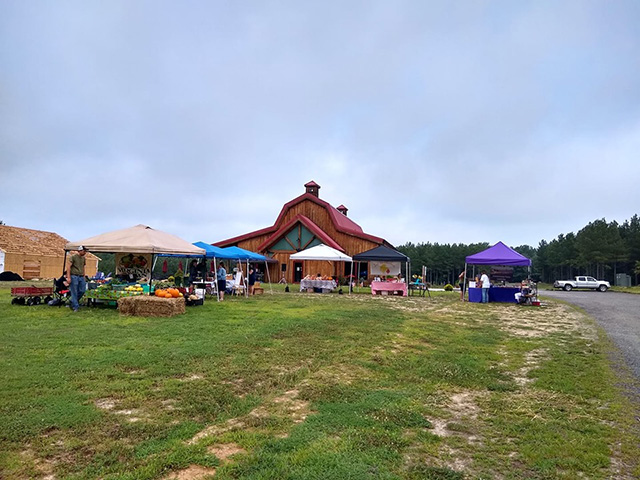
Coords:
pixel 168 295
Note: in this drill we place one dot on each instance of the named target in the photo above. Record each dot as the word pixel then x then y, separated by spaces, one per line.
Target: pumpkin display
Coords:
pixel 160 292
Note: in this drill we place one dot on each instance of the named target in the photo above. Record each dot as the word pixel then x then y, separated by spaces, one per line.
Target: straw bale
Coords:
pixel 150 306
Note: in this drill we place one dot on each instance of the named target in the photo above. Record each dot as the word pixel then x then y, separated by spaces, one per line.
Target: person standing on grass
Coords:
pixel 252 281
pixel 75 277
pixel 486 283
pixel 221 276
pixel 461 284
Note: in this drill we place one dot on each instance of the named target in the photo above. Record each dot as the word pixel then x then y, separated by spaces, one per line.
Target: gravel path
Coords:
pixel 618 314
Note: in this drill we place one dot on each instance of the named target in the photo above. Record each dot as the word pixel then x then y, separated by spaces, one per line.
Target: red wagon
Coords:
pixel 31 295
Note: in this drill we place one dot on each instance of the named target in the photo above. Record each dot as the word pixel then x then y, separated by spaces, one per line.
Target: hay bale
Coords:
pixel 149 306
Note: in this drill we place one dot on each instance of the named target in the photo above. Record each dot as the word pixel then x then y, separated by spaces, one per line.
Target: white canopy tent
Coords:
pixel 323 252
pixel 137 239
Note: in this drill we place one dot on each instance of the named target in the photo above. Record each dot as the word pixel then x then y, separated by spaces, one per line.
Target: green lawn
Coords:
pixel 310 386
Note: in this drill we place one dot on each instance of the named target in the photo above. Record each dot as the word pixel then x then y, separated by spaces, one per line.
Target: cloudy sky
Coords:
pixel 432 121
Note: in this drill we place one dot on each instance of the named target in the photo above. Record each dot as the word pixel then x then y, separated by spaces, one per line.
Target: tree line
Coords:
pixel 601 249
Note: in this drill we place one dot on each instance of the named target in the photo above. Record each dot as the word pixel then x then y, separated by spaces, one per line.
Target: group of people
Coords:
pixel 526 292
pixel 483 281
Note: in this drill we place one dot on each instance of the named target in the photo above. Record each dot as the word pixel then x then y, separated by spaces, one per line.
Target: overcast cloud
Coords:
pixel 436 121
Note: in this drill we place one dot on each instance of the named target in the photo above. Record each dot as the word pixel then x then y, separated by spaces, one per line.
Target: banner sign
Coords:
pixel 499 274
pixel 133 265
pixel 384 268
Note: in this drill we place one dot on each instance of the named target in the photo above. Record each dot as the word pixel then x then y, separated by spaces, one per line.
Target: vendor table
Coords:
pixel 96 296
pixel 393 287
pixel 324 286
pixel 210 287
pixel 496 294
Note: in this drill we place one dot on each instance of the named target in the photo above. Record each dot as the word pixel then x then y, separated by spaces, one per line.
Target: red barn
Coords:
pixel 304 222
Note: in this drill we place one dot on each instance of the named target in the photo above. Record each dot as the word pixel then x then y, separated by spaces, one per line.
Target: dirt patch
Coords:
pixel 225 450
pixel 194 472
pixel 191 378
pixel 287 404
pixel 106 403
pixel 531 361
pixel 541 321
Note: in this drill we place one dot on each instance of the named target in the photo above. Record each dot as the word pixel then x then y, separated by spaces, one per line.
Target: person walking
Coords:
pixel 75 277
pixel 221 277
pixel 486 283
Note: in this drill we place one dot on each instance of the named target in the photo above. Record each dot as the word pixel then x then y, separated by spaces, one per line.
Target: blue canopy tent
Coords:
pixel 241 254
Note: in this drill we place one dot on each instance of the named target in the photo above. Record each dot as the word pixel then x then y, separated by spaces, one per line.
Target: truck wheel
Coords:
pixel 602 288
pixel 568 288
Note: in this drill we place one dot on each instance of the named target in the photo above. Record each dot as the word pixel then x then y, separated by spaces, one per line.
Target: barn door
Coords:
pixel 297 272
pixel 30 269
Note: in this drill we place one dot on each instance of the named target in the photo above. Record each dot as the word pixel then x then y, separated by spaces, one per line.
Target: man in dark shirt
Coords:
pixel 252 281
pixel 75 277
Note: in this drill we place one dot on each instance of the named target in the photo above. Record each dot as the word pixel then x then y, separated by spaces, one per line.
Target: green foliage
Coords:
pixel 600 249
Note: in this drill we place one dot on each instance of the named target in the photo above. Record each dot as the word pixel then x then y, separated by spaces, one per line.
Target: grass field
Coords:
pixel 304 386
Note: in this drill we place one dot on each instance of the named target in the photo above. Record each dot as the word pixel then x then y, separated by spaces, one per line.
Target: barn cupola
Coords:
pixel 343 210
pixel 313 188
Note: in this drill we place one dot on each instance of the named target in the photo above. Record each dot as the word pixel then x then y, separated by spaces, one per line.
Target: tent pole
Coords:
pixel 351 278
pixel 154 259
pixel 266 267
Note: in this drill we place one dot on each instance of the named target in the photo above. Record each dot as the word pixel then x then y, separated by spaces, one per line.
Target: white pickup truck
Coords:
pixel 582 282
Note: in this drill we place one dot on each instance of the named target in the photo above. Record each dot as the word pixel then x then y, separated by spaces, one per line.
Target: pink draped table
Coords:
pixel 379 287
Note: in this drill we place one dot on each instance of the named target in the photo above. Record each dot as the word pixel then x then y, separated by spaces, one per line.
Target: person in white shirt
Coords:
pixel 486 283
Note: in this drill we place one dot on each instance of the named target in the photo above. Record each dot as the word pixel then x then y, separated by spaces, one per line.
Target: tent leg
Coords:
pixel 351 278
pixel 266 267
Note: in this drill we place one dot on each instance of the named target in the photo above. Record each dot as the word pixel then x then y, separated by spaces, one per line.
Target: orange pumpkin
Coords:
pixel 175 293
pixel 160 292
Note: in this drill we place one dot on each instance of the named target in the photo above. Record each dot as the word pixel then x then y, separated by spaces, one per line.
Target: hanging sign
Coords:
pixel 384 268
pixel 499 274
pixel 134 265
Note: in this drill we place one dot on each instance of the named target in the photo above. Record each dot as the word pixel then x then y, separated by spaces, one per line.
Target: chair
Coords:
pixel 239 286
pixel 258 289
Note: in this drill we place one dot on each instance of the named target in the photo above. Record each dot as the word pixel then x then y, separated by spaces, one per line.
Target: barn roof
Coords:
pixel 342 223
pixel 31 242
pixel 25 241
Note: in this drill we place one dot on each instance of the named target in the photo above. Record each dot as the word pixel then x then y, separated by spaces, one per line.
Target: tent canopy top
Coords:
pixel 381 254
pixel 321 252
pixel 137 239
pixel 498 254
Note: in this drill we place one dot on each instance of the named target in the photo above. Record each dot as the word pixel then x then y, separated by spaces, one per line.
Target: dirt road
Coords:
pixel 617 313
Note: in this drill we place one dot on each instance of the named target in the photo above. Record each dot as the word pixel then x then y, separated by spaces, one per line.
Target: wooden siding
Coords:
pixel 30 267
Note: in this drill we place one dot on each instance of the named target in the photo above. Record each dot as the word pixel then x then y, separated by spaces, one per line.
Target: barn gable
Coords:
pixel 304 222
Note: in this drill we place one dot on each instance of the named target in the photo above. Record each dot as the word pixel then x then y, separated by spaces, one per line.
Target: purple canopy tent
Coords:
pixel 499 254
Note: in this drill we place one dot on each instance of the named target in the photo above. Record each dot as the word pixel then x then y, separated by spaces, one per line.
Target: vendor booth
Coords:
pixel 498 255
pixel 136 249
pixel 321 253
pixel 385 262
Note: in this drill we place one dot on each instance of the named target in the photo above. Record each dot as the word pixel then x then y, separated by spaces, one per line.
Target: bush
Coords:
pixel 448 287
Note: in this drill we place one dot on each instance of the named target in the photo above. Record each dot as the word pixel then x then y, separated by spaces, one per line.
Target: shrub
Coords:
pixel 448 287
